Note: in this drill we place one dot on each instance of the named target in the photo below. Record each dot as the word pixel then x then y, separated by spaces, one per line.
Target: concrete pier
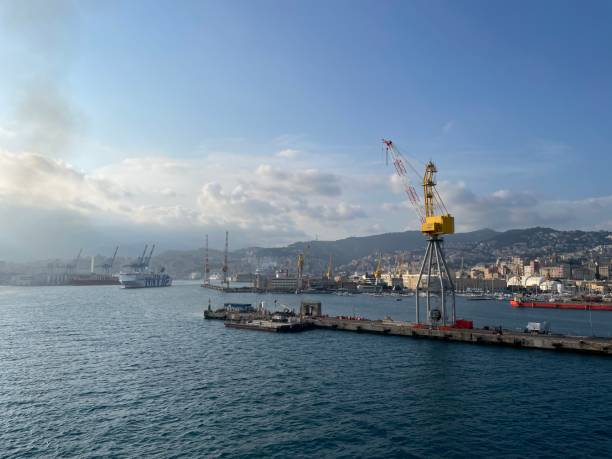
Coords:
pixel 601 346
pixel 311 317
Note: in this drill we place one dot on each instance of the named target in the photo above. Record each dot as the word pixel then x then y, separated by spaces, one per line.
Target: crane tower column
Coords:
pixel 437 270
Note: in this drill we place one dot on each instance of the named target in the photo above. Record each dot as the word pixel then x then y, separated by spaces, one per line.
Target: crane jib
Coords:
pixel 435 218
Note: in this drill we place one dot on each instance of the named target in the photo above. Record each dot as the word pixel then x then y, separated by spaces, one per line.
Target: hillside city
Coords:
pixel 537 259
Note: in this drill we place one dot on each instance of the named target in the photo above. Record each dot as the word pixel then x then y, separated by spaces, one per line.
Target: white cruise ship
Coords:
pixel 140 276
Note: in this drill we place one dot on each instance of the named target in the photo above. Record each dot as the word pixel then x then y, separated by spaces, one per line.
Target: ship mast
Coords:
pixel 225 266
pixel 206 268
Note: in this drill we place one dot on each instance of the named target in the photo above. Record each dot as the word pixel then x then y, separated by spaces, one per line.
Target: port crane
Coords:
pixel 109 265
pixel 378 270
pixel 329 274
pixel 140 262
pixel 148 259
pixel 74 266
pixel 300 262
pixel 435 221
pixel 399 267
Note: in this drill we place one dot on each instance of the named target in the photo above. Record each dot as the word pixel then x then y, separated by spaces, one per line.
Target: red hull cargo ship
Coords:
pixel 584 306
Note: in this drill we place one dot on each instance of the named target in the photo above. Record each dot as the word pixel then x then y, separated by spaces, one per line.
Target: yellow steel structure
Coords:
pixel 378 270
pixel 435 221
pixel 329 274
pixel 399 267
pixel 432 213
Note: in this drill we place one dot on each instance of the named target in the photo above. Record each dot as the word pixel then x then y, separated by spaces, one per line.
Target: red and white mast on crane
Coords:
pixel 400 163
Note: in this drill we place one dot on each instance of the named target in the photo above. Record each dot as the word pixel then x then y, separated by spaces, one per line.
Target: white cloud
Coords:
pixel 505 209
pixel 6 133
pixel 396 184
pixel 302 182
pixel 338 213
pixel 30 180
pixel 261 202
pixel 176 201
pixel 288 153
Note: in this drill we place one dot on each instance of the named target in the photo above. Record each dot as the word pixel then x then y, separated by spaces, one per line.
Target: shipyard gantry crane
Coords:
pixel 435 222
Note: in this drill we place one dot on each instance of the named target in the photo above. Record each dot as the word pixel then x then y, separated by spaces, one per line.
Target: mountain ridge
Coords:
pixel 478 246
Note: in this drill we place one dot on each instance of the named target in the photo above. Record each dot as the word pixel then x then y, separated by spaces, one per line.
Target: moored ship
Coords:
pixel 144 279
pixel 94 279
pixel 584 305
pixel 140 276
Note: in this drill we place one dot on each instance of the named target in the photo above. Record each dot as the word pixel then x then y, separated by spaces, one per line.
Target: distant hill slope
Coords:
pixel 475 246
pixel 345 250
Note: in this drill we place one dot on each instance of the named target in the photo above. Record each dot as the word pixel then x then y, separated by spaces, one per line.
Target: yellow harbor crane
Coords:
pixel 329 274
pixel 399 267
pixel 378 270
pixel 435 221
pixel 301 258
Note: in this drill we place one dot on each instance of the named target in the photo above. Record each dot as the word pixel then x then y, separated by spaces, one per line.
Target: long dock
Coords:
pixel 601 346
pixel 463 332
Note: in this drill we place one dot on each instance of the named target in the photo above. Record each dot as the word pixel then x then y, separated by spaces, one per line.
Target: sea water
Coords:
pixel 106 372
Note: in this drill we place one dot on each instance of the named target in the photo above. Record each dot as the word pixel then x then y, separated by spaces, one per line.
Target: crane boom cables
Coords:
pixel 399 164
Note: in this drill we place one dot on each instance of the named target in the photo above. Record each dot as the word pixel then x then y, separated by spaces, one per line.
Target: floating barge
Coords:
pixel 244 316
pixel 270 326
pixel 230 311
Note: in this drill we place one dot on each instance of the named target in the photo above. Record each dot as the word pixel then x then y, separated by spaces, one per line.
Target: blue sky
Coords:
pixel 512 99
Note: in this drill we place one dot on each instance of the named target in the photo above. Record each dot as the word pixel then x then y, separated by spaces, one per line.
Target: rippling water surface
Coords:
pixel 100 371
